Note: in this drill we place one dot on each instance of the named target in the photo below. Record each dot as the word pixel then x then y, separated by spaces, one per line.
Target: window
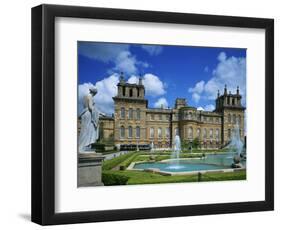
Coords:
pixel 189 116
pixel 160 117
pixel 217 134
pixel 138 114
pixel 152 117
pixel 211 133
pixel 122 132
pixel 130 113
pixel 167 117
pixel 167 132
pixel 190 132
pixel 198 133
pixel 137 132
pixel 205 133
pixel 151 134
pixel 217 120
pixel 159 132
pixel 138 92
pixel 124 91
pixel 131 92
pixel 229 133
pixel 229 118
pixel 211 119
pixel 122 113
pixel 130 132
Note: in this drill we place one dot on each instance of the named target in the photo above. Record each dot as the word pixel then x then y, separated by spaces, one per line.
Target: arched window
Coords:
pixel 211 133
pixel 229 118
pixel 151 133
pixel 137 132
pixel 122 113
pixel 138 114
pixel 167 132
pixel 159 132
pixel 229 133
pixel 138 92
pixel 189 116
pixel 198 133
pixel 130 132
pixel 217 134
pixel 190 132
pixel 205 133
pixel 211 119
pixel 124 91
pixel 131 92
pixel 130 113
pixel 234 119
pixel 122 132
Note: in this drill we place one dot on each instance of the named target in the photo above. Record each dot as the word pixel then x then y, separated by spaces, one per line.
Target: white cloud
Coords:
pixel 161 102
pixel 104 52
pixel 107 88
pixel 230 71
pixel 200 109
pixel 117 54
pixel 153 50
pixel 152 83
pixel 209 107
pixel 197 90
pixel 125 62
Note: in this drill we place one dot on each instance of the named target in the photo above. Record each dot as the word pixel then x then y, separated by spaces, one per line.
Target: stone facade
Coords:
pixel 134 123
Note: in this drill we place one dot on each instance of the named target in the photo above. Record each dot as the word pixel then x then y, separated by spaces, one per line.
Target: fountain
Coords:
pixel 176 153
pixel 152 147
pixel 237 145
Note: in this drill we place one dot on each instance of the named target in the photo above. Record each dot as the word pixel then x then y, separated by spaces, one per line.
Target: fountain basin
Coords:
pixel 182 166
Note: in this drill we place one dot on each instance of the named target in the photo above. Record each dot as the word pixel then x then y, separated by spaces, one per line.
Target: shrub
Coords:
pixel 109 178
pixel 110 164
pixel 128 161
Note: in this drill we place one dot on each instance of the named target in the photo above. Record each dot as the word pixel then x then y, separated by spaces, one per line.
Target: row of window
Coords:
pixel 234 119
pixel 130 132
pixel 212 133
pixel 131 114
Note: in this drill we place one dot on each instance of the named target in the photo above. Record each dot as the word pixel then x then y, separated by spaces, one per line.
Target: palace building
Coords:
pixel 134 123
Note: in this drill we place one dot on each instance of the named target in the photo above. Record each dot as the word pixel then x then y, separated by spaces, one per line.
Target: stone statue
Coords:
pixel 89 132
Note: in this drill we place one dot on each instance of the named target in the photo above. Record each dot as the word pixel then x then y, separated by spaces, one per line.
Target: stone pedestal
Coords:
pixel 90 169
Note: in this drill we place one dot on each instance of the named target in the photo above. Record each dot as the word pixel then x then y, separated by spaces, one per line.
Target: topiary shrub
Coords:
pixel 109 178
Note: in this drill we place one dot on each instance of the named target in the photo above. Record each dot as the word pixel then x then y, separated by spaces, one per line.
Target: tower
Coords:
pixel 233 113
pixel 130 105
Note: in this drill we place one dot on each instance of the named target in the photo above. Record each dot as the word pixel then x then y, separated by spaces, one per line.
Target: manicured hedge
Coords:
pixel 128 161
pixel 109 178
pixel 110 164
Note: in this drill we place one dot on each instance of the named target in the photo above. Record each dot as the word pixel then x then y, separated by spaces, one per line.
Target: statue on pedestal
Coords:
pixel 89 132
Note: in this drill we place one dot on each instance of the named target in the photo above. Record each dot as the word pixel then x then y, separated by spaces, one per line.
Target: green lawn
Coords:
pixel 115 173
pixel 138 177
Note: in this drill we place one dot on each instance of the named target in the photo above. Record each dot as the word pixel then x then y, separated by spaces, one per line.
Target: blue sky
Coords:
pixel 194 73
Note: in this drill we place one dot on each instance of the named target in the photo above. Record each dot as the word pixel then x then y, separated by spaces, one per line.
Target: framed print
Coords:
pixel 142 114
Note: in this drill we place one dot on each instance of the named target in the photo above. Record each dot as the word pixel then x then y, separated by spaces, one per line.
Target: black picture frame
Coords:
pixel 43 114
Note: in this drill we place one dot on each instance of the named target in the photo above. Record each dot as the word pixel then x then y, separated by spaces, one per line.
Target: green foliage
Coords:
pixel 128 161
pixel 109 178
pixel 195 143
pixel 110 164
pixel 140 177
